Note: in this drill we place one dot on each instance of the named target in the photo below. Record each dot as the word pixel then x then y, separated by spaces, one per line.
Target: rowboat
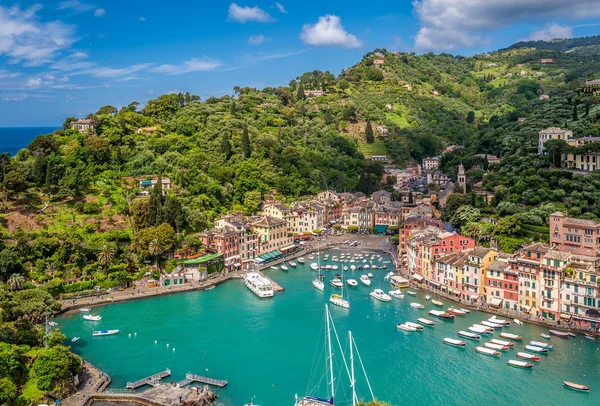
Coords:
pixel 519 364
pixel 457 312
pixel 502 342
pixel 544 335
pixel 437 303
pixel 410 292
pixel 417 305
pixel 497 347
pixel 470 336
pixel 84 309
pixel 414 325
pixel 478 330
pixel 517 321
pixel 455 343
pixel 487 351
pixel 406 328
pixel 396 293
pixel 541 344
pixel 536 349
pixel 92 318
pixel 560 334
pixel 511 336
pixel 104 332
pixel 492 325
pixel 426 322
pixel 530 357
pixel 590 336
pixel 576 386
pixel 293 264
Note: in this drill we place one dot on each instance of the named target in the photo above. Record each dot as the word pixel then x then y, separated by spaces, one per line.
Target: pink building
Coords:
pixel 577 236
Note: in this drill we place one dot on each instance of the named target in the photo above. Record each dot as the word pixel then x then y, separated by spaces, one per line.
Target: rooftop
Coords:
pixel 203 259
pixel 268 221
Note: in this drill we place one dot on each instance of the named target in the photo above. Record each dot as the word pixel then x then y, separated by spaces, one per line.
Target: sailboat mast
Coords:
pixel 327 315
pixel 352 380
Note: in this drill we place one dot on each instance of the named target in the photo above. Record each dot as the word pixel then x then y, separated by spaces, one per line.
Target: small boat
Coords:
pixel 273 267
pixel 572 334
pixel 92 318
pixel 417 305
pixel 502 342
pixel 318 283
pixel 414 325
pixel 576 386
pixel 427 297
pixel 454 311
pixel 545 336
pixel 74 339
pixel 336 283
pixel 517 321
pixel 426 322
pixel 301 260
pixel 352 282
pixel 536 349
pixel 388 276
pixel 455 343
pixel 380 295
pixel 520 364
pixel 370 275
pixel 396 293
pixel 338 276
pixel 352 268
pixel 441 314
pixel 53 324
pixel 487 351
pixel 590 336
pixel 492 325
pixel 560 334
pixel 210 287
pixel 410 292
pixel 311 257
pixel 334 267
pixel 292 264
pixel 364 279
pixel 104 332
pixel 366 267
pixel 314 266
pixel 470 336
pixel 465 310
pixel 406 328
pixel 338 300
pixel 328 267
pixel 496 347
pixel 478 330
pixel 511 336
pixel 541 344
pixel 345 268
pixel 284 268
pixel 437 303
pixel 493 319
pixel 85 309
pixel 528 356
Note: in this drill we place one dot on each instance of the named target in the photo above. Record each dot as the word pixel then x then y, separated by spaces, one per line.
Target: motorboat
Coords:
pixel 284 268
pixel 487 351
pixel 455 343
pixel 576 386
pixel 478 330
pixel 465 310
pixel 488 329
pixel 52 323
pixel 274 268
pixel 380 295
pixel 301 260
pixel 502 342
pixel 426 322
pixel 520 364
pixel 511 336
pixel 336 283
pixel 541 344
pixel 338 276
pixel 410 292
pixel 454 311
pixel 496 347
pixel 311 257
pixel 437 303
pixel 328 267
pixel 74 339
pixel 441 314
pixel 396 293
pixel 314 266
pixel 536 349
pixel 404 327
pixel 338 300
pixel 546 336
pixel 352 282
pixel 417 305
pixel 104 333
pixel 561 334
pixel 470 336
pixel 364 279
pixel 259 285
pixel 493 319
pixel 427 297
pixel 590 336
pixel 352 268
pixel 92 318
pixel 370 275
pixel 517 321
pixel 366 266
pixel 345 268
pixel 414 325
pixel 492 325
pixel 528 356
pixel 292 264
pixel 85 309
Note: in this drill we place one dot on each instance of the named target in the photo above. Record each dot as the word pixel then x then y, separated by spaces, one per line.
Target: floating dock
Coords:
pixel 152 380
pixel 189 378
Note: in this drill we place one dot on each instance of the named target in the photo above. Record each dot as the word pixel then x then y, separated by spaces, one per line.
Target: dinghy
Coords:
pixel 437 303
pixel 417 305
pixel 519 322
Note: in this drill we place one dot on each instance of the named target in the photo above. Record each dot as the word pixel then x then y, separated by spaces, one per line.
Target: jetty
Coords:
pixel 276 287
pixel 152 380
pixel 189 378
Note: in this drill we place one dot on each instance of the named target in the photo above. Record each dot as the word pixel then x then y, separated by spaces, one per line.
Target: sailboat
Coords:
pixel 331 382
pixel 318 283
pixel 338 300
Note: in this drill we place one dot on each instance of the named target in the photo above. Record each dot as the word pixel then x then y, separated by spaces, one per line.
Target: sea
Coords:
pixel 12 139
pixel 272 350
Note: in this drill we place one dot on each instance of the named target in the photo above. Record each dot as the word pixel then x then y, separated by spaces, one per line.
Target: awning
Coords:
pixel 417 276
pixel 526 308
pixel 497 302
pixel 474 297
pixel 565 316
pixel 291 247
pixel 435 284
pixel 380 228
pixel 237 265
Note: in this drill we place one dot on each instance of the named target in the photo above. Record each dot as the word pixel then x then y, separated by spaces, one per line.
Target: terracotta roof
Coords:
pixel 557 255
pixel 480 251
pixel 268 221
pixel 537 247
pixel 498 265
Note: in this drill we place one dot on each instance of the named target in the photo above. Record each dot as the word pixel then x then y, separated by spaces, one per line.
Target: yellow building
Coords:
pixel 587 162
pixel 273 234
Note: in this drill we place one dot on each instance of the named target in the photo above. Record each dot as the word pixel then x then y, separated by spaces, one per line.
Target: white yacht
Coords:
pixel 314 266
pixel 338 300
pixel 92 318
pixel 380 295
pixel 365 280
pixel 352 282
pixel 318 283
pixel 396 293
pixel 301 260
pixel 336 283
pixel 258 284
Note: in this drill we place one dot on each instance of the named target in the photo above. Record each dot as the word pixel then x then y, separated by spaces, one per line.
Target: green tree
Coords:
pixel 55 367
pixel 470 117
pixel 465 214
pixel 252 201
pixel 300 92
pixel 16 281
pixel 155 203
pixel 155 249
pixel 575 113
pixel 245 144
pixel 555 149
pixel 225 146
pixel 106 256
pixel 173 213
pixel 9 263
pixel 232 108
pixel 369 133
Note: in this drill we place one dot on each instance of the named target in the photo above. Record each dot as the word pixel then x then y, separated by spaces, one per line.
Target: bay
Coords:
pixel 12 139
pixel 267 349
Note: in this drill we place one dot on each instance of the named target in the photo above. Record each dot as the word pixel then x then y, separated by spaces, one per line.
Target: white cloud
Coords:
pixel 257 39
pixel 14 96
pixel 281 9
pixel 75 6
pixel 551 31
pixel 244 14
pixel 449 24
pixel 191 65
pixel 25 39
pixel 107 72
pixel 142 19
pixel 249 58
pixel 4 74
pixel 99 12
pixel 328 31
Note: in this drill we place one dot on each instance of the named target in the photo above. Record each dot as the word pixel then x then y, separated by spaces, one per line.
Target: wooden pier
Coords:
pixel 189 378
pixel 152 380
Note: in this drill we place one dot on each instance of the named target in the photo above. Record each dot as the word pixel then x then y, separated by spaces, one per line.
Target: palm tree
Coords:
pixel 16 281
pixel 106 255
pixel 155 249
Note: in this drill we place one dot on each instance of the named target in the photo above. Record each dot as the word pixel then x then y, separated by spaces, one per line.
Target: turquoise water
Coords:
pixel 266 348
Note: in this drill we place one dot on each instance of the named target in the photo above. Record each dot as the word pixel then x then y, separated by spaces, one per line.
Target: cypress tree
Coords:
pixel 587 109
pixel 245 144
pixel 226 146
pixel 575 113
pixel 155 204
pixel 232 109
pixel 48 181
pixel 39 168
pixel 369 133
pixel 300 93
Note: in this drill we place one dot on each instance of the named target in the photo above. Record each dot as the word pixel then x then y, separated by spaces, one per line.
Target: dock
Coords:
pixel 152 380
pixel 276 287
pixel 189 378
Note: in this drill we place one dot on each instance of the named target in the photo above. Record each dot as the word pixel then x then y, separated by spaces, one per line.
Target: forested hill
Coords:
pixel 563 44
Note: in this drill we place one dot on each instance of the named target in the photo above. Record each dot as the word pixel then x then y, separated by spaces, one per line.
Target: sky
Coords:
pixel 62 59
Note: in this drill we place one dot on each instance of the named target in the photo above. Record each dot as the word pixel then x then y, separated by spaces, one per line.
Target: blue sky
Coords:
pixel 68 58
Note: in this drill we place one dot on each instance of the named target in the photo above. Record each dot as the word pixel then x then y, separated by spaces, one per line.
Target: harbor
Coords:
pixel 274 342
